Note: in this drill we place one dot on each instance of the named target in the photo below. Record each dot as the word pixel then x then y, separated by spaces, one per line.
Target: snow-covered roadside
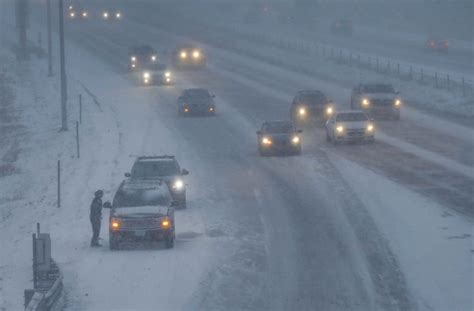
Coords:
pixel 29 194
pixel 433 246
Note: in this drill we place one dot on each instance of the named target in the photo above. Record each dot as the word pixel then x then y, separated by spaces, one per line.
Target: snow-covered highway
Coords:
pixel 386 226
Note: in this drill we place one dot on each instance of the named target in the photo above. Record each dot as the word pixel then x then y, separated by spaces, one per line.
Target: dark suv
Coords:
pixel 165 168
pixel 309 107
pixel 141 211
pixel 142 56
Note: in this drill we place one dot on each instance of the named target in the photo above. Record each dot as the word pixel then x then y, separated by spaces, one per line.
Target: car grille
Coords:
pixel 356 133
pixel 382 102
pixel 140 223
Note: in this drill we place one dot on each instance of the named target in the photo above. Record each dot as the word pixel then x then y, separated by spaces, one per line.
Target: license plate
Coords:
pixel 140 233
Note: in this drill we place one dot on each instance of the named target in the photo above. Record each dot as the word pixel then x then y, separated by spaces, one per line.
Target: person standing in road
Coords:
pixel 96 217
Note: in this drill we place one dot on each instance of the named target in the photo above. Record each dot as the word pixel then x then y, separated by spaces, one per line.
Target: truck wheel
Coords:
pixel 113 244
pixel 169 243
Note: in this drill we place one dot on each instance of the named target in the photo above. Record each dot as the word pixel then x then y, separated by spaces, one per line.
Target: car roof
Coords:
pixel 278 122
pixel 155 158
pixel 310 92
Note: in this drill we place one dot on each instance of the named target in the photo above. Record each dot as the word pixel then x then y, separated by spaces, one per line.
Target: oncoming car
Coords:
pixel 77 14
pixel 189 57
pixel 160 77
pixel 111 15
pixel 309 107
pixel 279 137
pixel 141 211
pixel 164 168
pixel 377 100
pixel 142 56
pixel 196 101
pixel 351 125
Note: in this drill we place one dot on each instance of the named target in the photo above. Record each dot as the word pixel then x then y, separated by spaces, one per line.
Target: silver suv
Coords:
pixel 377 100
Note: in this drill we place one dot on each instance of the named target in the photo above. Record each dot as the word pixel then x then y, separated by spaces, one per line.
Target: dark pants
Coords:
pixel 95 222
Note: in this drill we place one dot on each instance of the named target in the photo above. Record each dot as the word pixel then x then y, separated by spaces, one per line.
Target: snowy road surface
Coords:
pixel 357 227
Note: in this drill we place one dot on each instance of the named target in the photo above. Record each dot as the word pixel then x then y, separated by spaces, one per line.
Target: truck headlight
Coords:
pixel 196 54
pixel 295 140
pixel 302 111
pixel 266 141
pixel 329 110
pixel 365 102
pixel 398 102
pixel 165 222
pixel 370 128
pixel 114 224
pixel 146 75
pixel 183 54
pixel 178 184
pixel 340 129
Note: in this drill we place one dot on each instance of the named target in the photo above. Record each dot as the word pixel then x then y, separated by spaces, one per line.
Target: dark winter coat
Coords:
pixel 96 209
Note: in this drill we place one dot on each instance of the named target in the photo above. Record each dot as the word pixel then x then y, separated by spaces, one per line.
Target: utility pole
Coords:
pixel 63 68
pixel 50 42
pixel 22 24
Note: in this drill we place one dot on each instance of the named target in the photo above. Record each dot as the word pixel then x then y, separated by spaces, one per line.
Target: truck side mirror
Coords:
pixel 127 175
pixel 107 205
pixel 299 131
pixel 184 172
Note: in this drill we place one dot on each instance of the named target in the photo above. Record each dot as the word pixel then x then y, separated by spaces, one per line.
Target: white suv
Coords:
pixel 351 125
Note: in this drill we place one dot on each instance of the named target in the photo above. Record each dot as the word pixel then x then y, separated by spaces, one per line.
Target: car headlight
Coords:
pixel 183 54
pixel 340 129
pixel 165 222
pixel 146 75
pixel 329 110
pixel 370 128
pixel 398 102
pixel 153 58
pixel 295 140
pixel 114 224
pixel 266 141
pixel 302 111
pixel 365 102
pixel 118 15
pixel 105 15
pixel 167 74
pixel 133 58
pixel 178 184
pixel 72 14
pixel 84 14
pixel 196 54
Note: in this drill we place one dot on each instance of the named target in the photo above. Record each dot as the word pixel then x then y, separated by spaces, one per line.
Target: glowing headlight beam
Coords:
pixel 302 111
pixel 178 184
pixel 196 54
pixel 153 58
pixel 183 54
pixel 266 141
pixel 329 110
pixel 370 128
pixel 167 74
pixel 340 129
pixel 295 140
pixel 365 102
pixel 398 102
pixel 133 58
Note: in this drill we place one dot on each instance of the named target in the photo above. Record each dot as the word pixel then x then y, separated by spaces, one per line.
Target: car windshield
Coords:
pixel 315 99
pixel 351 117
pixel 278 127
pixel 151 169
pixel 142 50
pixel 138 198
pixel 378 88
pixel 197 94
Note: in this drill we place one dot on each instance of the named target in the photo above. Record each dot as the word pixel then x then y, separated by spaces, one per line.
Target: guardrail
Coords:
pixel 46 294
pixel 412 73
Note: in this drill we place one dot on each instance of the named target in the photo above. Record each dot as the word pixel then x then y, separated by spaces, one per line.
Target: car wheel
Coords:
pixel 328 138
pixel 169 243
pixel 113 244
